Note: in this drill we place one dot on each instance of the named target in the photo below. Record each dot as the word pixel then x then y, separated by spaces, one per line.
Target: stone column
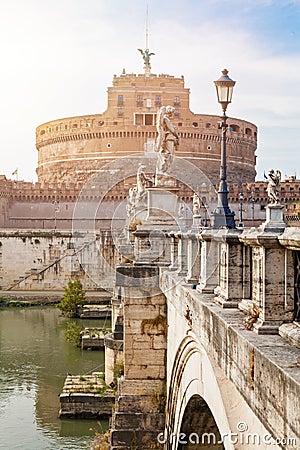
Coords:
pixel 174 251
pixel 193 259
pixel 182 253
pixel 209 262
pixel 246 303
pixel 230 288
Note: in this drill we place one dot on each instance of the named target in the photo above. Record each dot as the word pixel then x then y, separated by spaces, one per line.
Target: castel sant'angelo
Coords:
pixel 71 150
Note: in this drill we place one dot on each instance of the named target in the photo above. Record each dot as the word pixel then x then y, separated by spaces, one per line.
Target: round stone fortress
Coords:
pixel 74 148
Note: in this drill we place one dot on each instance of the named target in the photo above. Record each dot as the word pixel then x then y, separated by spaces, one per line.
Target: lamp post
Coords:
pixel 252 200
pixel 222 216
pixel 241 210
pixel 204 205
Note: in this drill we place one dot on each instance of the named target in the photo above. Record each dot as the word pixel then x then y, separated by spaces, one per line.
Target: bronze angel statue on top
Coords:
pixel 146 57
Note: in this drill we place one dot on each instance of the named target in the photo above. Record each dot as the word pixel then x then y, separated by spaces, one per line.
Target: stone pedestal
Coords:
pixel 162 208
pixel 151 246
pixel 272 290
pixel 197 222
pixel 274 218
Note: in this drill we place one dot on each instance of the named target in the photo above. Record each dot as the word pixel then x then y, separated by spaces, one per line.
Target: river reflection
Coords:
pixel 34 361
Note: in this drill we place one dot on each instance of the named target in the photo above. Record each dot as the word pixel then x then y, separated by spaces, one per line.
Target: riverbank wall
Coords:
pixel 46 260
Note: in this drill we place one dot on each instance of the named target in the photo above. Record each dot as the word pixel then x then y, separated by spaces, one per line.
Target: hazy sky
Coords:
pixel 59 56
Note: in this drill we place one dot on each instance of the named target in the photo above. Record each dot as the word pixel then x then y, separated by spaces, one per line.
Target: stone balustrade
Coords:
pixel 251 269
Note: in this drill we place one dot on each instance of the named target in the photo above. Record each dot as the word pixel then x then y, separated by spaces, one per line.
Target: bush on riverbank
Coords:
pixel 73 299
pixel 100 442
pixel 73 333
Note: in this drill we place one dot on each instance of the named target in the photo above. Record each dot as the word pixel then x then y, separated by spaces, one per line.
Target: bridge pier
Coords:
pixel 139 415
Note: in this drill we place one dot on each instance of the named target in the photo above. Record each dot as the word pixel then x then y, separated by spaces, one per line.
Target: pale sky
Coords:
pixel 59 57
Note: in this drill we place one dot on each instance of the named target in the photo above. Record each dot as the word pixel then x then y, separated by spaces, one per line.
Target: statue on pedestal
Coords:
pixel 166 144
pixel 137 194
pixel 273 183
pixel 196 204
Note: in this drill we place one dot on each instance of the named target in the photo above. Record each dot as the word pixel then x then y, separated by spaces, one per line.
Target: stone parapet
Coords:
pixel 263 368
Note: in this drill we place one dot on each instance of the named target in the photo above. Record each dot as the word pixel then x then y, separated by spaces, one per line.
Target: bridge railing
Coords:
pixel 251 269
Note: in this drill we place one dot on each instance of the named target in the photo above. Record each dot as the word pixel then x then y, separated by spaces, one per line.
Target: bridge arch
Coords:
pixel 195 407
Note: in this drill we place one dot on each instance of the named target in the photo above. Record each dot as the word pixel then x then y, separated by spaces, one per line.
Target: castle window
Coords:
pixel 138 119
pixel 149 119
pixel 234 128
pixel 176 113
pixel 42 132
pixel 139 100
pixel 120 112
pixel 157 100
pixel 180 124
pixel 176 100
pixel 120 100
pixel 162 84
pixel 144 119
pixel 66 127
pixel 248 132
pixel 74 125
pixel 208 125
pixel 149 103
pixel 195 124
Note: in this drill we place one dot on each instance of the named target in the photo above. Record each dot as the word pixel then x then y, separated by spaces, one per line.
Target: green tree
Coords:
pixel 73 299
pixel 73 333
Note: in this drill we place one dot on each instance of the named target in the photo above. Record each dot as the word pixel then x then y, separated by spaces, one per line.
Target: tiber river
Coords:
pixel 34 362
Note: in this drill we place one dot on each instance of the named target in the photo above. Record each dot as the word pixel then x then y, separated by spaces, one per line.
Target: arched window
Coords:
pixel 234 128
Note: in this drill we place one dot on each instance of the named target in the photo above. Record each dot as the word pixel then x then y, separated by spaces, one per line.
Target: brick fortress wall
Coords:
pixel 27 205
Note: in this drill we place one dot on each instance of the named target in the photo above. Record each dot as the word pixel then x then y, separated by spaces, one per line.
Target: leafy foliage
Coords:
pixel 73 300
pixel 73 333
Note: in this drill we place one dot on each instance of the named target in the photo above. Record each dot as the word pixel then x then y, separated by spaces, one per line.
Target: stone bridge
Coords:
pixel 211 341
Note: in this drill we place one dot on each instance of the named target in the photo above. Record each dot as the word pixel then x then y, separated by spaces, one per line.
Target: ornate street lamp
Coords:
pixel 222 216
pixel 241 209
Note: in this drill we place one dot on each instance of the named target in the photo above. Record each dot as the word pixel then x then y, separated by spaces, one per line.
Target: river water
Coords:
pixel 34 362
